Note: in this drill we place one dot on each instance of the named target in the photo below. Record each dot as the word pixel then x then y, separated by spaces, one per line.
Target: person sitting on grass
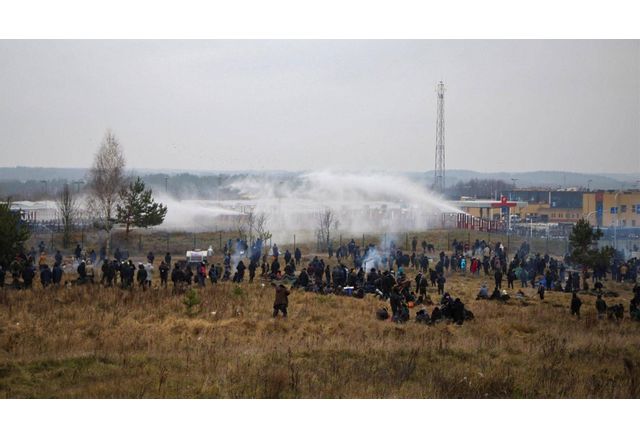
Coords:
pixel 598 286
pixel 483 294
pixel 458 311
pixel 436 315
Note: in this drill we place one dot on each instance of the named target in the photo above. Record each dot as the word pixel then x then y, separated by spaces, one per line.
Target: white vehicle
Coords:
pixel 196 256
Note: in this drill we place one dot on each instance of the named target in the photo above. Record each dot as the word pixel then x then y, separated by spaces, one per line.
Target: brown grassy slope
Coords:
pixel 96 342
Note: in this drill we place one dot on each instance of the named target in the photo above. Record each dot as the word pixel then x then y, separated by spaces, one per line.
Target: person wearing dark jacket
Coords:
pixel 498 278
pixel 177 276
pixel 275 267
pixel 2 276
pixel 56 274
pixel 281 301
pixel 457 310
pixel 141 277
pixel 239 276
pixel 576 303
pixel 28 273
pixel 441 281
pixel 252 269
pixel 164 273
pixel 601 307
pixel 58 257
pixel 82 272
pixel 45 276
pixel 395 300
pixel 303 279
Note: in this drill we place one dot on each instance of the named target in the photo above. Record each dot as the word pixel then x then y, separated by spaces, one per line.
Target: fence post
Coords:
pixel 294 241
pixel 363 240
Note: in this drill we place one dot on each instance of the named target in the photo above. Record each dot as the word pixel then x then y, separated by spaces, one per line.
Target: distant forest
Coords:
pixel 33 184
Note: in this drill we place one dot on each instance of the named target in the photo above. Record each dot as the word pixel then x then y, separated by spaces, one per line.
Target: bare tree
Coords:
pixel 106 180
pixel 68 210
pixel 240 224
pixel 256 224
pixel 262 232
pixel 250 222
pixel 326 219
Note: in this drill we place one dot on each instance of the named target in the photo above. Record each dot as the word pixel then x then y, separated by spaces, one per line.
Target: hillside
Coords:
pixel 95 342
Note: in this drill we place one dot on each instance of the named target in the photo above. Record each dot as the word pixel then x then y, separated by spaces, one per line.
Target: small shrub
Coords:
pixel 191 301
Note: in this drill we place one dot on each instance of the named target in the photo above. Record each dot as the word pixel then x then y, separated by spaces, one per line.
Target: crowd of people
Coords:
pixel 356 272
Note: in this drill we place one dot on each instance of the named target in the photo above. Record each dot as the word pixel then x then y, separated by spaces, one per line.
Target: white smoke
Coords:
pixel 361 203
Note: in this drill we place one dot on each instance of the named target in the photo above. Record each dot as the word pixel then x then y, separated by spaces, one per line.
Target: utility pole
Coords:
pixel 439 181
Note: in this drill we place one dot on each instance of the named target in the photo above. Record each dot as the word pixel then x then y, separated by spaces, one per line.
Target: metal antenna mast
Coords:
pixel 439 183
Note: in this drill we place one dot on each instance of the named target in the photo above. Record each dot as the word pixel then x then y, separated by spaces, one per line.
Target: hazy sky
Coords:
pixel 298 105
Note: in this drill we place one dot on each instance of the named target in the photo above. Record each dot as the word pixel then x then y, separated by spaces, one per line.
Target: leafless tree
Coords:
pixel 326 219
pixel 255 224
pixel 262 231
pixel 106 180
pixel 67 206
pixel 250 222
pixel 240 224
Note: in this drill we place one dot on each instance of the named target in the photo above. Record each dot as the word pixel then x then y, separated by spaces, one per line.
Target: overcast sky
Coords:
pixel 299 105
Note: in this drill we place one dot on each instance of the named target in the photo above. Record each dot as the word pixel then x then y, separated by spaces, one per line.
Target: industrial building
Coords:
pixel 612 208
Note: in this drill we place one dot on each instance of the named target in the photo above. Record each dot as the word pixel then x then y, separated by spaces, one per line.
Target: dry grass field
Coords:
pixel 95 342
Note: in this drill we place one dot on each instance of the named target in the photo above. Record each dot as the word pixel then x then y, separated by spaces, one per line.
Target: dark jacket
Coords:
pixel 281 295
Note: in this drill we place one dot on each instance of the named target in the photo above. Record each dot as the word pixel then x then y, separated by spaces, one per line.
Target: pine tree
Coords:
pixel 137 207
pixel 584 245
pixel 13 233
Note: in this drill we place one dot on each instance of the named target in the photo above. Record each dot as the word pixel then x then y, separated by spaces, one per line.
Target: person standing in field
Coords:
pixel 576 303
pixel 282 301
